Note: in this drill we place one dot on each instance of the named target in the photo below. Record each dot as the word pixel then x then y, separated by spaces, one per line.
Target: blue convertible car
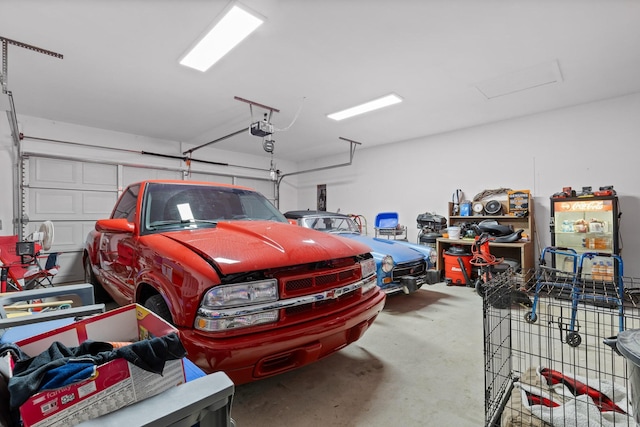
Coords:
pixel 402 266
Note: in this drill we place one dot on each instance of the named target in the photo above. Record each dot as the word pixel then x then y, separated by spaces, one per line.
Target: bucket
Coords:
pixel 627 343
pixel 452 270
pixel 454 232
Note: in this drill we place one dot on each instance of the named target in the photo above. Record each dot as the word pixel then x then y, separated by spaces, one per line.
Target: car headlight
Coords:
pixel 241 294
pixel 387 263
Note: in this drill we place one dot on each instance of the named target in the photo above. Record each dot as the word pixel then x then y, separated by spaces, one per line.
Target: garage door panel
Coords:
pixel 263 186
pixel 131 175
pixel 67 235
pixel 87 227
pixel 98 176
pixel 51 204
pixel 54 171
pixel 98 204
pixel 195 176
pixel 69 174
pixel 71 269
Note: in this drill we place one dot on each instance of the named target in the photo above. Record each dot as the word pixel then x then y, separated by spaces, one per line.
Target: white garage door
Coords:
pixel 73 194
pixel 264 186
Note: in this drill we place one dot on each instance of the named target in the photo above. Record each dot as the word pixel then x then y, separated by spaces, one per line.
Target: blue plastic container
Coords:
pixel 387 220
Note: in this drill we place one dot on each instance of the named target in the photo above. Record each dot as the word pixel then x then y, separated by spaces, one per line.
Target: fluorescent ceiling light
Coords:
pixel 385 101
pixel 236 24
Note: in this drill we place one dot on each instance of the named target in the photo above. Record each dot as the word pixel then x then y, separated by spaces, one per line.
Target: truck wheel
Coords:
pixel 156 304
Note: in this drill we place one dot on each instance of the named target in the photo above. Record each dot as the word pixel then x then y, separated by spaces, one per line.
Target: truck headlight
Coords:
pixel 241 294
pixel 368 267
pixel 223 307
pixel 387 263
pixel 243 321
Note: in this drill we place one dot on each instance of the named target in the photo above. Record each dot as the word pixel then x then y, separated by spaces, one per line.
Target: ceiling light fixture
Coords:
pixel 385 101
pixel 235 24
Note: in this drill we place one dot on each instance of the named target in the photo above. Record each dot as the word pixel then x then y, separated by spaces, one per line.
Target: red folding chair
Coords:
pixel 20 264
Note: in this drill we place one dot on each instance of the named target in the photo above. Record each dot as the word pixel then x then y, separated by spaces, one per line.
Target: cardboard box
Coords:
pixel 116 384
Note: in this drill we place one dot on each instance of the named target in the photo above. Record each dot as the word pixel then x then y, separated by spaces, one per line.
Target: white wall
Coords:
pixel 593 144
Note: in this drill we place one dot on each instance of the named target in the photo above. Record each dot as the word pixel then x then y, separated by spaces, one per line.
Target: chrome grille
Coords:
pixel 409 269
pixel 321 305
pixel 314 282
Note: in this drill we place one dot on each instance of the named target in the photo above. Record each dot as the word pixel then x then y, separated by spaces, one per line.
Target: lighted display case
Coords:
pixel 586 224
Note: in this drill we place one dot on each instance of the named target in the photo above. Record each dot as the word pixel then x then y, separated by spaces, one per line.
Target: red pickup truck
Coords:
pixel 251 294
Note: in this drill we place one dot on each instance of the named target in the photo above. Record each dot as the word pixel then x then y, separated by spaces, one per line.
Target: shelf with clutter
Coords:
pixel 512 213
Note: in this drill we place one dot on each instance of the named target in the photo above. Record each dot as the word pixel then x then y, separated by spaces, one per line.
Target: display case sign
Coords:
pixel 584 206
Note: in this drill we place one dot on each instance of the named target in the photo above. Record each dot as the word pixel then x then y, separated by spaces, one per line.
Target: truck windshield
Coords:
pixel 171 205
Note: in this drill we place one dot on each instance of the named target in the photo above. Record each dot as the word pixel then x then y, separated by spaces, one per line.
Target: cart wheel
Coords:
pixel 531 317
pixel 574 339
pixel 480 290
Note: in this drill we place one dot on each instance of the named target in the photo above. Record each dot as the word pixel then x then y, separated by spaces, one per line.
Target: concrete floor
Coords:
pixel 420 364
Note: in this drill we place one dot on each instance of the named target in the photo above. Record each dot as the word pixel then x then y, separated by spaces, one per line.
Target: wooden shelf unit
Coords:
pixel 522 251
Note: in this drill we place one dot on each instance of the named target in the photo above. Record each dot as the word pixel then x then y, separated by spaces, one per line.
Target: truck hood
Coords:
pixel 241 246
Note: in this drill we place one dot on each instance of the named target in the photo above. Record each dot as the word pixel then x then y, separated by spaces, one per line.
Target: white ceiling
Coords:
pixel 120 69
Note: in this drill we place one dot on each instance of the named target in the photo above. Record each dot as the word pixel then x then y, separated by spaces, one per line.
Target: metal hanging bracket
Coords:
pixel 353 146
pixel 352 150
pixel 251 104
pixel 4 78
pixel 18 215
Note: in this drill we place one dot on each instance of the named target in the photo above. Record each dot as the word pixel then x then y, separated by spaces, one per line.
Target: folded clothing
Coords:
pixel 66 374
pixel 60 365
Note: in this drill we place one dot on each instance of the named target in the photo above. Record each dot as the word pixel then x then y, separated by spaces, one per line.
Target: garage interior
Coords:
pixel 525 95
